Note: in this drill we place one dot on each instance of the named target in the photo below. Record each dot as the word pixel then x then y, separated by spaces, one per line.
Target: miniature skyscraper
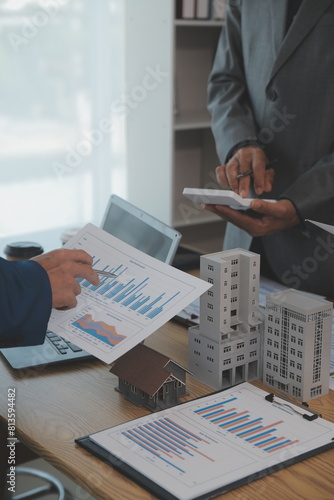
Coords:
pixel 297 344
pixel 225 348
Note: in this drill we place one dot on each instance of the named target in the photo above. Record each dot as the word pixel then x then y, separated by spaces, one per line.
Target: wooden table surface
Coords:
pixel 57 404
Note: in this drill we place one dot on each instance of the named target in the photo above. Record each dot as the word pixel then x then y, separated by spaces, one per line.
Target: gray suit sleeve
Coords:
pixel 228 100
pixel 313 192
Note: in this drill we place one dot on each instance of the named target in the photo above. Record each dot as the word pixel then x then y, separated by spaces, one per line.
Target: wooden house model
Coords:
pixel 148 378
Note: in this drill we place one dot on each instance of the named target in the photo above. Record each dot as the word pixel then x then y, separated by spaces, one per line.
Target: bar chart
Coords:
pixel 242 424
pixel 122 310
pixel 225 438
pixel 130 292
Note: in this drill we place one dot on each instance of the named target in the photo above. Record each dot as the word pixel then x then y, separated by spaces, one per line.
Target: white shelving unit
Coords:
pixel 169 141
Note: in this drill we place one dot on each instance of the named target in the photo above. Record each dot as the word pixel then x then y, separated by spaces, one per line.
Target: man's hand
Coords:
pixel 244 159
pixel 264 217
pixel 63 267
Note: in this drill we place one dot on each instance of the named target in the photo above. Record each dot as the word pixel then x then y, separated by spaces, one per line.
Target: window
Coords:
pixel 240 345
pixel 240 358
pixel 227 348
pixel 227 361
pixel 210 267
pixel 63 147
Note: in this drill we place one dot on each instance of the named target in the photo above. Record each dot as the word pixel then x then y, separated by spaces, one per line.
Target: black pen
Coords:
pixel 269 165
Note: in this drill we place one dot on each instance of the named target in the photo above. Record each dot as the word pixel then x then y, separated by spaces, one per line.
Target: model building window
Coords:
pixel 227 348
pixel 210 268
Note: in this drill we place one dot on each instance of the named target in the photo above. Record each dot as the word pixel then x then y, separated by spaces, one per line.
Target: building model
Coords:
pixel 289 343
pixel 297 344
pixel 225 349
pixel 148 378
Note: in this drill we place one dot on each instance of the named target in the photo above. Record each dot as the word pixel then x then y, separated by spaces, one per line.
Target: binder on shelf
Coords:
pixel 187 9
pixel 213 444
pixel 218 9
pixel 203 10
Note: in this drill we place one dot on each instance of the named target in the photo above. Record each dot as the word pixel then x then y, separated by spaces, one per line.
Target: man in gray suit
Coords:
pixel 271 96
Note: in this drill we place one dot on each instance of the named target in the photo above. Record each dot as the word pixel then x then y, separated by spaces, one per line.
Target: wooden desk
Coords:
pixel 58 404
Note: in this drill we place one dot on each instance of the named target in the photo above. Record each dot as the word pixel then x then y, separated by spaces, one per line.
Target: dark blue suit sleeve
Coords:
pixel 25 303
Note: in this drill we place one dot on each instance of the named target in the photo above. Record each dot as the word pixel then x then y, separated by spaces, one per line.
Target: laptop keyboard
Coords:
pixel 61 345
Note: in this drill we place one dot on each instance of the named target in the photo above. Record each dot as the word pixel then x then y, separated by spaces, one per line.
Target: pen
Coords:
pixel 270 164
pixel 104 273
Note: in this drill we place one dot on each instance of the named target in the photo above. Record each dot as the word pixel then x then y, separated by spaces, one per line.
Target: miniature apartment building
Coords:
pixel 297 344
pixel 225 348
pixel 148 378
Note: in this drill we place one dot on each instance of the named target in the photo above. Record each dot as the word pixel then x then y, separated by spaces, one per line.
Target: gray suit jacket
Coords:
pixel 279 89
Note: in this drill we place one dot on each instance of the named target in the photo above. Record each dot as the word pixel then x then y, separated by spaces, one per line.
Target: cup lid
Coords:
pixel 23 249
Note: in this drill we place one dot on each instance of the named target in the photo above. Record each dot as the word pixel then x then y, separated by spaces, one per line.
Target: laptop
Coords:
pixel 131 225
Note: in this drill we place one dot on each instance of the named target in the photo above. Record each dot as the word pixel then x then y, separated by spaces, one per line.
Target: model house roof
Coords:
pixel 146 369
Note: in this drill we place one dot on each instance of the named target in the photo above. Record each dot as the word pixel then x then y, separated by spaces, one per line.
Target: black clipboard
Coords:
pixel 161 493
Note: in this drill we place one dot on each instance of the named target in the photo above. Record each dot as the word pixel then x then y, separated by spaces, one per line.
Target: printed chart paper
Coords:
pixel 122 311
pixel 212 442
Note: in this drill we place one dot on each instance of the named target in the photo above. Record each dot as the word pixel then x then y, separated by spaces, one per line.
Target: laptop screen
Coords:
pixel 140 230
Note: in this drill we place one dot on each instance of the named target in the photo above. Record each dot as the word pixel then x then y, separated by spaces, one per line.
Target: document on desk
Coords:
pixel 123 310
pixel 213 444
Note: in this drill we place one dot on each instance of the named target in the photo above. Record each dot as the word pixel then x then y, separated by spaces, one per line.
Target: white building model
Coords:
pixel 297 344
pixel 225 349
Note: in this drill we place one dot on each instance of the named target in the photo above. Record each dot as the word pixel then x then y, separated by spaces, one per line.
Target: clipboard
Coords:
pixel 257 440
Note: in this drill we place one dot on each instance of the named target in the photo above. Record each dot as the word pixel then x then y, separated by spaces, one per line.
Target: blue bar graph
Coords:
pixel 130 292
pixel 170 442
